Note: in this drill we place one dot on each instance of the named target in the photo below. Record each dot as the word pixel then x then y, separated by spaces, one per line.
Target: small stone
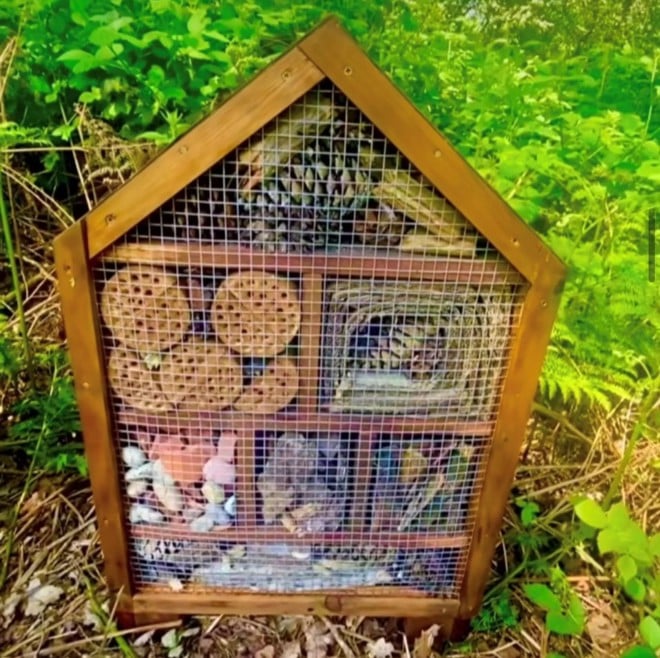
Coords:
pixel 213 492
pixel 182 461
pixel 218 514
pixel 219 471
pixel 227 446
pixel 168 495
pixel 136 488
pixel 230 506
pixel 133 456
pixel 143 472
pixel 192 513
pixel 202 523
pixel 144 514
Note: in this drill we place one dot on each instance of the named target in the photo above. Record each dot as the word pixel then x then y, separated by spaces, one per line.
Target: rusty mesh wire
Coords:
pixel 315 423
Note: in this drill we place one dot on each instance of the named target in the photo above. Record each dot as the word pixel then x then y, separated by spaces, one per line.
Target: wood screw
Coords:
pixel 183 149
pixel 286 74
pixel 110 218
pixel 348 70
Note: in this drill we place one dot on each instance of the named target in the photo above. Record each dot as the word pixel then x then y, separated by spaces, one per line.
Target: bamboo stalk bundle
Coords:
pixel 286 135
pixel 399 190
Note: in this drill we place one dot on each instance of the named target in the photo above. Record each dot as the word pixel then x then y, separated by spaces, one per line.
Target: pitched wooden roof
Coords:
pixel 327 52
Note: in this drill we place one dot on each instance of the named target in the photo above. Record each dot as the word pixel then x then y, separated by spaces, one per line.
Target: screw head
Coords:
pixel 348 70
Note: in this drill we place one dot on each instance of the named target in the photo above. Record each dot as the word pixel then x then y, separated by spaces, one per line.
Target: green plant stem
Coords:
pixel 650 401
pixel 16 283
pixel 11 526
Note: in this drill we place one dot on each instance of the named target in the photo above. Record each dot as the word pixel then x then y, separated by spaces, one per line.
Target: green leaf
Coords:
pixel 654 544
pixel 638 652
pixel 74 55
pixel 591 513
pixel 528 513
pixel 557 622
pixel 103 36
pixel 635 589
pixel 651 170
pixel 627 567
pixel 542 596
pixel 649 629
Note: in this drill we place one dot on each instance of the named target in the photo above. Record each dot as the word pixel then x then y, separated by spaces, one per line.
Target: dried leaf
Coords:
pixel 90 618
pixel 601 629
pixel 40 597
pixel 9 606
pixel 267 652
pixel 424 643
pixel 380 648
pixel 170 640
pixel 143 639
pixel 317 641
pixel 291 650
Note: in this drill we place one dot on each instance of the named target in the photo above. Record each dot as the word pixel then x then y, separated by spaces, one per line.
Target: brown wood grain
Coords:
pixel 359 264
pixel 362 472
pixel 310 342
pixel 369 88
pixel 246 494
pixel 191 422
pixel 520 382
pixel 274 534
pixel 83 335
pixel 268 94
pixel 211 603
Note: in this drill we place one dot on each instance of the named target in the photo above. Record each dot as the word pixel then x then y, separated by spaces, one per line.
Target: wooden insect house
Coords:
pixel 305 340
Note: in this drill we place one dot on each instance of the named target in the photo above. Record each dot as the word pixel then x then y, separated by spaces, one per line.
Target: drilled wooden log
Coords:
pixel 272 390
pixel 145 309
pixel 256 313
pixel 201 375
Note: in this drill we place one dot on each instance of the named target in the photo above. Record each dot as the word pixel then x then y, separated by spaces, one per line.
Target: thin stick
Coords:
pixel 348 652
pixel 176 623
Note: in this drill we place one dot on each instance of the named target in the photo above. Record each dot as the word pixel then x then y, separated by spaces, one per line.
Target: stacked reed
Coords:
pixel 401 347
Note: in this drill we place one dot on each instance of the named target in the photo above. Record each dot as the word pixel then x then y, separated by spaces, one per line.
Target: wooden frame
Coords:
pixel 93 238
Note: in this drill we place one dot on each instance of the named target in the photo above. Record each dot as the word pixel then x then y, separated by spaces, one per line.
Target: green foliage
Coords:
pixel 497 613
pixel 44 422
pixel 636 564
pixel 565 613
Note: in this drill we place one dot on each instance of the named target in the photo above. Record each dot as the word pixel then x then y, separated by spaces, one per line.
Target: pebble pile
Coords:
pixel 176 479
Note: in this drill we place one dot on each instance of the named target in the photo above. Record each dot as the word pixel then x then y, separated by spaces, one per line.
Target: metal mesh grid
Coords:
pixel 317 423
pixel 318 177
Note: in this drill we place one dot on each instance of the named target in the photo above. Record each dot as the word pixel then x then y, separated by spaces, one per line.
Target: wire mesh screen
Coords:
pixel 304 352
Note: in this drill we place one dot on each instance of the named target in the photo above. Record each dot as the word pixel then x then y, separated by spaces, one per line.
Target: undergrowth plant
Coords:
pixel 634 558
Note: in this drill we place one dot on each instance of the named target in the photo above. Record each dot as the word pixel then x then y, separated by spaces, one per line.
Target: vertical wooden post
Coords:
pixel 520 382
pixel 246 494
pixel 310 342
pixel 78 300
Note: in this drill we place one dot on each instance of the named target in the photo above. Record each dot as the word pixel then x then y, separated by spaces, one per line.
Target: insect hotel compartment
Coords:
pixel 417 348
pixel 191 340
